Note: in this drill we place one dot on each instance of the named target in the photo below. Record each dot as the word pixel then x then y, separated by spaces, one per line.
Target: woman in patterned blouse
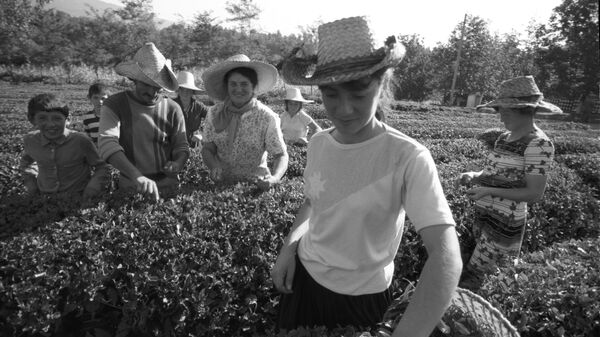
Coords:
pixel 240 131
pixel 515 174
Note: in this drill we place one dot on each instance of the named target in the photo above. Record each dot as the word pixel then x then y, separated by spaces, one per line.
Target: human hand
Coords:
pixel 283 271
pixel 216 174
pixel 147 186
pixel 477 193
pixel 266 182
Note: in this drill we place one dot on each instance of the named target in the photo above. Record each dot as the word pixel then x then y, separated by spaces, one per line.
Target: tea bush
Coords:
pixel 198 263
pixel 551 292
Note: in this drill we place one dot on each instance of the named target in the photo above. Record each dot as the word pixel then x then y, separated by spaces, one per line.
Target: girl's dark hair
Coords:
pixel 45 102
pixel 246 72
pixel 97 88
pixel 386 98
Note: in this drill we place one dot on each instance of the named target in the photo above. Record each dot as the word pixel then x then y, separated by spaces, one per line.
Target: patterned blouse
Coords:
pixel 507 166
pixel 259 133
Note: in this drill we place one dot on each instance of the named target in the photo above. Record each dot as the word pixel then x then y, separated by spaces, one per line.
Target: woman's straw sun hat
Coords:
pixel 186 80
pixel 149 66
pixel 521 92
pixel 294 94
pixel 346 51
pixel 214 76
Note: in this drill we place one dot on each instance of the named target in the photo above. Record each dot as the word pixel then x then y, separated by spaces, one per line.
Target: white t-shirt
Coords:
pixel 296 127
pixel 359 195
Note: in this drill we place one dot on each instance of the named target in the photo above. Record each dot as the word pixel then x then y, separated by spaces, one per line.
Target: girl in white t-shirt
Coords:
pixel 362 179
pixel 297 126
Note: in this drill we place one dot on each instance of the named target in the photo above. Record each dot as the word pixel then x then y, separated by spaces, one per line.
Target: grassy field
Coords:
pixel 198 263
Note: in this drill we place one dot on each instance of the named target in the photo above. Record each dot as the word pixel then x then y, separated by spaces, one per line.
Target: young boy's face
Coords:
pixel 50 123
pixel 97 101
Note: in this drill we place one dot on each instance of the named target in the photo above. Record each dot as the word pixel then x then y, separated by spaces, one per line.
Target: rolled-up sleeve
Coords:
pixel 108 133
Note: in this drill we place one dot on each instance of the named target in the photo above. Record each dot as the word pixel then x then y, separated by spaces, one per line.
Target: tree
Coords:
pixel 16 17
pixel 139 18
pixel 244 12
pixel 568 49
pixel 413 74
pixel 486 60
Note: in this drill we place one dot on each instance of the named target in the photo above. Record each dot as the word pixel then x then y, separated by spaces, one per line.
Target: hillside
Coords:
pixel 84 8
pixel 81 7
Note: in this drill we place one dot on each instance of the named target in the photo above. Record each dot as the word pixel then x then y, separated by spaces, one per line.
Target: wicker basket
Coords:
pixel 465 304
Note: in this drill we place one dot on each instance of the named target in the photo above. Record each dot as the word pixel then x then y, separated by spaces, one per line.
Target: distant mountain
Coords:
pixel 82 8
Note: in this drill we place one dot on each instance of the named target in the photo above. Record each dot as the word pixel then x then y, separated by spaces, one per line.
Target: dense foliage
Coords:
pixel 198 263
pixel 562 54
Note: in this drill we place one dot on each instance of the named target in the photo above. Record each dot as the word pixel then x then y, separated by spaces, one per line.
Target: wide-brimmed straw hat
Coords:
pixel 214 76
pixel 186 80
pixel 521 92
pixel 148 65
pixel 346 51
pixel 294 94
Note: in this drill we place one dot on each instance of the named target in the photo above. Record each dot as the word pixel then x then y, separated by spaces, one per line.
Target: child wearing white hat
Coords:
pixel 194 111
pixel 297 126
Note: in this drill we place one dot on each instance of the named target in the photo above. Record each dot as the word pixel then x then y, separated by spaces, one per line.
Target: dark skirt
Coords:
pixel 312 305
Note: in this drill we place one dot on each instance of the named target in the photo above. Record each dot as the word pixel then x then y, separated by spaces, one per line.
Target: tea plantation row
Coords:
pixel 198 263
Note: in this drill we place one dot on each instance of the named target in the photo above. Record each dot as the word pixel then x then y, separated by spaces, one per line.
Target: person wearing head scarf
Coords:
pixel 362 178
pixel 515 174
pixel 142 131
pixel 240 131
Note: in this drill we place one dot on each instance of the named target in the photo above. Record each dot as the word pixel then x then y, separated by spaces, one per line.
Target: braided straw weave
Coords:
pixel 488 319
pixel 347 51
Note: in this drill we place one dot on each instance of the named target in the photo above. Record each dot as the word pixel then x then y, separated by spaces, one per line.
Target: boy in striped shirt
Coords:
pixel 97 93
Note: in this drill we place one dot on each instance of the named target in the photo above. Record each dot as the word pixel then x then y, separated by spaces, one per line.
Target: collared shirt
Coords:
pixel 65 164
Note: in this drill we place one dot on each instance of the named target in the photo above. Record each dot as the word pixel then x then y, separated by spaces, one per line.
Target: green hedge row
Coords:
pixel 198 263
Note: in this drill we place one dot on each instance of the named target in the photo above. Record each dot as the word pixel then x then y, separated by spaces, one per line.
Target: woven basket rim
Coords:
pixel 462 299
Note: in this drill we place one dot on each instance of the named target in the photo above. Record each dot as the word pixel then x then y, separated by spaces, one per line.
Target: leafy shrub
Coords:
pixel 552 292
pixel 198 263
pixel 572 145
pixel 586 167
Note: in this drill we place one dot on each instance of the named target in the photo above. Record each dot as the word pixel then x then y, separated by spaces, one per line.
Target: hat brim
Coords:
pixel 213 77
pixel 542 107
pixel 165 79
pixel 306 71
pixel 194 88
pixel 298 100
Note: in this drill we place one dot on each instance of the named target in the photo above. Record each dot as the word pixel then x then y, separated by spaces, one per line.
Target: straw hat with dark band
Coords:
pixel 214 76
pixel 149 66
pixel 521 92
pixel 346 51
